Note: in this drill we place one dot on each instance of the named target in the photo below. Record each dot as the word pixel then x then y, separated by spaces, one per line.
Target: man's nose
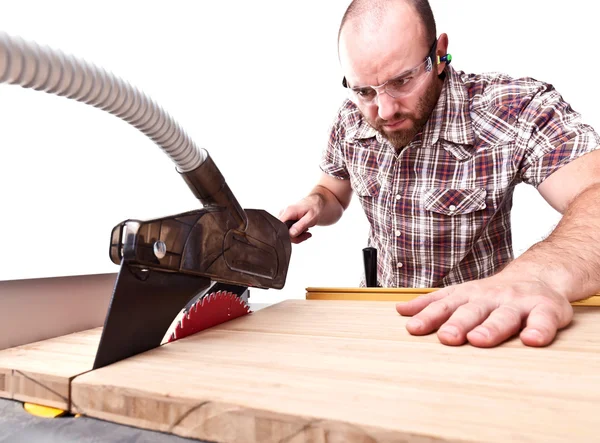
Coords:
pixel 387 106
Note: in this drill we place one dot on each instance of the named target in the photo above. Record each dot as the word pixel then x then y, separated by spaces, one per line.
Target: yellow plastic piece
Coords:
pixel 397 294
pixel 43 411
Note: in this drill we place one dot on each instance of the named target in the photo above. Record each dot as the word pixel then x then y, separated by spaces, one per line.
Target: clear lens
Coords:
pixel 397 87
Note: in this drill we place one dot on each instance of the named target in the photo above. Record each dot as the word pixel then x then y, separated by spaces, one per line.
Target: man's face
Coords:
pixel 385 54
pixel 400 119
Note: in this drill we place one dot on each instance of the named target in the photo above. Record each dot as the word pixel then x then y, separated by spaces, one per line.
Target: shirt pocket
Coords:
pixel 452 202
pixel 367 188
pixel 365 185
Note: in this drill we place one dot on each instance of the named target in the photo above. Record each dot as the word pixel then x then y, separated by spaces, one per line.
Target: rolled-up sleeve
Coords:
pixel 332 158
pixel 551 135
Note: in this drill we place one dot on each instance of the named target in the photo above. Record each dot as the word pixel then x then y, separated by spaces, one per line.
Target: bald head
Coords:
pixel 370 14
pixel 390 42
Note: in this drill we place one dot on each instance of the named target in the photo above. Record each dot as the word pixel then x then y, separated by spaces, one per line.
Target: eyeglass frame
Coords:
pixel 430 56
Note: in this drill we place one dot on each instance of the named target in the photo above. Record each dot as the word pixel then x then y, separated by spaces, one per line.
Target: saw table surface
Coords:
pixel 323 370
pixel 313 370
pixel 41 372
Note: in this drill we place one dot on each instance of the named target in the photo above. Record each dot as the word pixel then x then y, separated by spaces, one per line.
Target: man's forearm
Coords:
pixel 332 209
pixel 569 258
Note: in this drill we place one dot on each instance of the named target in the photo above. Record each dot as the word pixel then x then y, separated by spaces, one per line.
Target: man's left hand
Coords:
pixel 488 312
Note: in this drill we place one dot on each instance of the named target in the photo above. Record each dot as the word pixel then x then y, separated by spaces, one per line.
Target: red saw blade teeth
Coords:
pixel 212 310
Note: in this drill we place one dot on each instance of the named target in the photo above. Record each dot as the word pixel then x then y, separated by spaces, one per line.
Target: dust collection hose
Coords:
pixel 41 68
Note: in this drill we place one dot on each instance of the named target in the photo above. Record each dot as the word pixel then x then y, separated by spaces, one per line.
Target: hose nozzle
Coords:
pixel 209 186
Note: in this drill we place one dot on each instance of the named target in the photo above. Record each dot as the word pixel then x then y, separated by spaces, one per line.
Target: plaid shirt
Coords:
pixel 439 211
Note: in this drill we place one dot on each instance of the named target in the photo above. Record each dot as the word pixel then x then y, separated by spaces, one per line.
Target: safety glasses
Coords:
pixel 400 86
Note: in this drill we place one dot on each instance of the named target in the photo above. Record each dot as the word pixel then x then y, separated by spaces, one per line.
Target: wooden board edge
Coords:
pixel 4 389
pixel 372 290
pixel 29 383
pixel 214 420
pixel 41 389
pixel 351 296
pixel 365 294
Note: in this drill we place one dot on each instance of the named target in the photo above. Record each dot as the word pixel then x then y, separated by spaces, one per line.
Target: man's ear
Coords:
pixel 441 51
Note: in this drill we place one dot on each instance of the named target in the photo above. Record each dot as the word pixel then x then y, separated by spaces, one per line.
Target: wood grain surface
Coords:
pixel 347 371
pixel 41 372
pixel 4 374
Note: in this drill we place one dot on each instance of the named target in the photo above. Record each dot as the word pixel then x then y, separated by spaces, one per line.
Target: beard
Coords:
pixel 425 105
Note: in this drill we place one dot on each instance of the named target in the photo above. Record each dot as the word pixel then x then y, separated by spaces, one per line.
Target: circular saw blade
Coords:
pixel 211 310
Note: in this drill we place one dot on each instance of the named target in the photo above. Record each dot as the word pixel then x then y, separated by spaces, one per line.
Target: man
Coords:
pixel 434 155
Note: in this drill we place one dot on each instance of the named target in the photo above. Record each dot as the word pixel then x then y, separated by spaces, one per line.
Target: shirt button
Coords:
pixel 398 197
pixel 452 208
pixel 398 233
pixel 399 265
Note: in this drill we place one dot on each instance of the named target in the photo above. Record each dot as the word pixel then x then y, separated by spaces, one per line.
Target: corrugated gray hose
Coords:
pixel 30 65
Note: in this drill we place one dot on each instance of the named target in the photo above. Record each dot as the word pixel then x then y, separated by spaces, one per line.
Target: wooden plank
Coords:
pixel 396 294
pixel 41 308
pixel 308 370
pixel 4 373
pixel 41 372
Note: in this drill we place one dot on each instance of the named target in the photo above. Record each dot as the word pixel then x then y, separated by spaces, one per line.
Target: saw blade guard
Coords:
pixel 202 244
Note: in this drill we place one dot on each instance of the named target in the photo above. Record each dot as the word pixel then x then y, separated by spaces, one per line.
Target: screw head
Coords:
pixel 160 249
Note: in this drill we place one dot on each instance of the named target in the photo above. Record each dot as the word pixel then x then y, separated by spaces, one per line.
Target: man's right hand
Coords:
pixel 323 206
pixel 305 213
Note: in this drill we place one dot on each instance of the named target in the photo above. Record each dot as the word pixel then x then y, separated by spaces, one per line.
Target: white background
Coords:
pixel 256 83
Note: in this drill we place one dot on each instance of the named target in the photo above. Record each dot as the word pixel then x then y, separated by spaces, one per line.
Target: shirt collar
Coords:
pixel 451 114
